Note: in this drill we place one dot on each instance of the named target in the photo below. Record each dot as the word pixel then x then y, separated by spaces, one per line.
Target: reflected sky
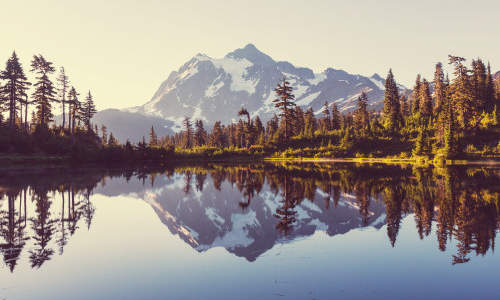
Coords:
pixel 168 234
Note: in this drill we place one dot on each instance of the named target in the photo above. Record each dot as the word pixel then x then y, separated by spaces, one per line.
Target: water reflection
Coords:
pixel 247 209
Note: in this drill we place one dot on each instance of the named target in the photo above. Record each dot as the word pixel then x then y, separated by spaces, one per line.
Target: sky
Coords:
pixel 123 50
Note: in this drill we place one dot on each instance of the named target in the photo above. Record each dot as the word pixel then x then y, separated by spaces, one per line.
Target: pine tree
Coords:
pixel 74 108
pixel 104 132
pixel 14 90
pixel 44 92
pixel 153 138
pixel 88 111
pixel 112 140
pixel 392 110
pixel 63 82
pixel 200 134
pixel 449 134
pixel 188 133
pixel 336 119
pixel 284 102
pixel 405 109
pixel 217 138
pixel 327 120
pixel 439 88
pixel 461 92
pixel 309 123
pixel 361 117
pixel 425 101
pixel 490 91
pixel 416 96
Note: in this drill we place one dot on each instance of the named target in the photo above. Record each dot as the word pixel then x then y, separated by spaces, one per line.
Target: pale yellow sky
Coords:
pixel 123 50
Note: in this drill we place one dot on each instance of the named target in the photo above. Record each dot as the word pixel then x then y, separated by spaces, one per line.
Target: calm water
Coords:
pixel 258 231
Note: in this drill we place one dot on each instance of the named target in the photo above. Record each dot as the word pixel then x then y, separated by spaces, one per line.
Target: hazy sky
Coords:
pixel 123 50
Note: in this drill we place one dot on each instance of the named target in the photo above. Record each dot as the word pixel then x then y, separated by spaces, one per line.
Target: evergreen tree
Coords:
pixel 461 91
pixel 449 135
pixel 200 134
pixel 88 111
pixel 309 123
pixel 74 108
pixel 188 133
pixel 217 137
pixel 425 101
pixel 284 102
pixel 336 119
pixel 361 117
pixel 490 91
pixel 327 120
pixel 44 92
pixel 392 110
pixel 439 88
pixel 104 132
pixel 416 96
pixel 112 140
pixel 63 82
pixel 14 90
pixel 153 138
pixel 405 109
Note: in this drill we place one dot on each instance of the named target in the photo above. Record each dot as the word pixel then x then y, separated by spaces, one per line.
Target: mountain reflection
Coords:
pixel 248 209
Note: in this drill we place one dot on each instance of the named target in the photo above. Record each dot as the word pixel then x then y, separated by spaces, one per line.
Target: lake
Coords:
pixel 250 231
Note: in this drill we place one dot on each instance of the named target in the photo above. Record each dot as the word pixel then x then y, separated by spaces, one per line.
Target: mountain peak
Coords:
pixel 377 77
pixel 252 54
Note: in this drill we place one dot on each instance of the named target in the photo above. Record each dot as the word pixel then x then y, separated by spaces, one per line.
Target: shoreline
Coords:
pixel 43 160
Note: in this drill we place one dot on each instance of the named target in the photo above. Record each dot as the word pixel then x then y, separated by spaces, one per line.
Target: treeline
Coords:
pixel 26 128
pixel 27 124
pixel 443 117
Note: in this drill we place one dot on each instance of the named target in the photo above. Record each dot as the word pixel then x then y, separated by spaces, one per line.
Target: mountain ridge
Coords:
pixel 215 89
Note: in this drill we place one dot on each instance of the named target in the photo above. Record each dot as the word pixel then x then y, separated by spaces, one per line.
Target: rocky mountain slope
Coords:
pixel 213 89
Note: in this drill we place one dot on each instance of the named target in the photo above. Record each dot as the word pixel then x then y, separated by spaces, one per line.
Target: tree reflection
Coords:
pixel 41 212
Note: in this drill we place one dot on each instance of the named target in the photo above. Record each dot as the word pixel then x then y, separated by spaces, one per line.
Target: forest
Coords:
pixel 442 119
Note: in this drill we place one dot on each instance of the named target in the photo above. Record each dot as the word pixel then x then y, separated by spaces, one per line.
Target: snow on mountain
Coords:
pixel 212 217
pixel 213 89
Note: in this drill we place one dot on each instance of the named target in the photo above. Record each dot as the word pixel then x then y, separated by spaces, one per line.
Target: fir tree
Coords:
pixel 309 123
pixel 439 88
pixel 14 90
pixel 188 133
pixel 88 110
pixel 425 101
pixel 361 118
pixel 405 109
pixel 200 134
pixel 416 96
pixel 336 119
pixel 104 133
pixel 490 91
pixel 216 137
pixel 74 108
pixel 44 92
pixel 392 110
pixel 153 138
pixel 284 102
pixel 327 120
pixel 112 140
pixel 63 82
pixel 449 134
pixel 461 91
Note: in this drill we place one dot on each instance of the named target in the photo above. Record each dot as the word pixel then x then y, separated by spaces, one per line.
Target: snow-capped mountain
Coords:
pixel 214 89
pixel 205 215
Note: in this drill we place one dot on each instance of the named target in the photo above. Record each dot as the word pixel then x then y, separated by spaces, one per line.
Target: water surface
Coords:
pixel 259 231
